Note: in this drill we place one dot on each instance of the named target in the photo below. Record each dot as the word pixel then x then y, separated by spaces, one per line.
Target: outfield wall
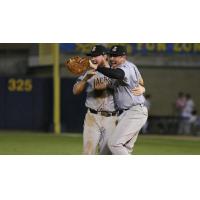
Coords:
pixel 27 104
pixel 165 83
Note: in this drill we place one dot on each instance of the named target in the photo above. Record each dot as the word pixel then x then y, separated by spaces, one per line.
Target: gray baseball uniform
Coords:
pixel 100 119
pixel 134 113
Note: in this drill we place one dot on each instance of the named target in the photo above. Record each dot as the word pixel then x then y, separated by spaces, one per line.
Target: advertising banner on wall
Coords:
pixel 138 48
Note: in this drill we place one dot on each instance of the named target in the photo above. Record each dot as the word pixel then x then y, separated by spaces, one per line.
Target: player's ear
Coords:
pixel 123 58
pixel 105 57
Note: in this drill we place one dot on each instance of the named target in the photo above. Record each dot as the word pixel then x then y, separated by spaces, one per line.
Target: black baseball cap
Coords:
pixel 118 50
pixel 97 50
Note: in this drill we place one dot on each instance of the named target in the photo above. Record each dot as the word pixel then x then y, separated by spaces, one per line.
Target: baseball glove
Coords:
pixel 77 65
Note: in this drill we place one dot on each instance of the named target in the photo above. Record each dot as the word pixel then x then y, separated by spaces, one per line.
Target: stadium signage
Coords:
pixel 138 48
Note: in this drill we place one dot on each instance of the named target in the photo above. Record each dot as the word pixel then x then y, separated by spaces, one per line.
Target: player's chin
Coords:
pixel 113 65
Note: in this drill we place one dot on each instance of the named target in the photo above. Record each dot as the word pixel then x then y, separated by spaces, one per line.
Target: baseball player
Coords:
pixel 125 76
pixel 100 119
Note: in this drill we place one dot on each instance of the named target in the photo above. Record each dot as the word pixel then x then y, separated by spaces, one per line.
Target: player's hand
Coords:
pixel 141 81
pixel 105 63
pixel 89 75
pixel 92 65
pixel 137 91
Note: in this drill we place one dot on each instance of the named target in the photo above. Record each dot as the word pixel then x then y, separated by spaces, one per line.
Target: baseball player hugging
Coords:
pixel 100 119
pixel 133 113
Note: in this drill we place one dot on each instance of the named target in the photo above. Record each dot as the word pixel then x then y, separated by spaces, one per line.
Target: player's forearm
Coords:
pixel 79 87
pixel 139 90
pixel 112 73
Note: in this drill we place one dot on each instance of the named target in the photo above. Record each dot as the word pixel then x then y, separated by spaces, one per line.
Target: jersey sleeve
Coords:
pixel 131 74
pixel 137 73
pixel 80 78
pixel 126 79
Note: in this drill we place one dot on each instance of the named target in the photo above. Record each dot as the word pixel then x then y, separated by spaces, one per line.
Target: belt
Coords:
pixel 122 110
pixel 104 113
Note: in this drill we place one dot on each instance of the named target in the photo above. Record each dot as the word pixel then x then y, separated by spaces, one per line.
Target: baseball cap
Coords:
pixel 97 50
pixel 118 50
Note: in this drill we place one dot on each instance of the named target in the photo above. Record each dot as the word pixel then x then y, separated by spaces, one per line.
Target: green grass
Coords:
pixel 39 144
pixel 167 145
pixel 28 143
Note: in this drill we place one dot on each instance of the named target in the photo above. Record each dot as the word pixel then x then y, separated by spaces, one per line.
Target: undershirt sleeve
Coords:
pixel 112 73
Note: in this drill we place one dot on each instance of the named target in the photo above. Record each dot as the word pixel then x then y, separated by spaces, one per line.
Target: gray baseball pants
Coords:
pixel 97 130
pixel 121 142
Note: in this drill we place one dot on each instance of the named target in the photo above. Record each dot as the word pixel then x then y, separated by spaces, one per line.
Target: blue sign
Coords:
pixel 137 48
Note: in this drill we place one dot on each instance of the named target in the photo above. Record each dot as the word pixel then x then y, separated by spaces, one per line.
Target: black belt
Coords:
pixel 104 113
pixel 121 111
